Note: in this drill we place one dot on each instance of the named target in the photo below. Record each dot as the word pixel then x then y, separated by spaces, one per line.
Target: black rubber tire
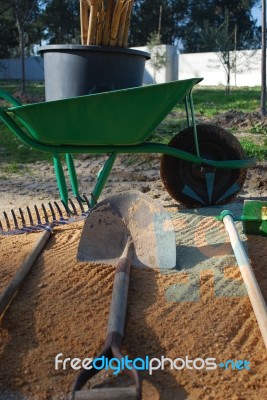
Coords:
pixel 215 143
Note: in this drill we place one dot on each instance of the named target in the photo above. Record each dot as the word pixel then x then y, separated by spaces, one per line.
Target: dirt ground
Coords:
pixel 200 310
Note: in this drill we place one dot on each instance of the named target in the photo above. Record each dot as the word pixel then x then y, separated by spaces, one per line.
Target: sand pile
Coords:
pixel 200 311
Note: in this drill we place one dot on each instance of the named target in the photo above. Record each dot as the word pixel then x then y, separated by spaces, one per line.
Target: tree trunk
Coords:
pixel 228 66
pixel 263 60
pixel 22 50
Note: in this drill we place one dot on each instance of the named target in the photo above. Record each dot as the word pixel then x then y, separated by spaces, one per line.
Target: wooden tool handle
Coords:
pixel 120 292
pixel 128 393
pixel 10 291
pixel 254 293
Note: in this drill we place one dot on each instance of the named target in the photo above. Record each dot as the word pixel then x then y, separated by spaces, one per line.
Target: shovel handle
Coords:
pixel 118 305
pixel 11 289
pixel 128 393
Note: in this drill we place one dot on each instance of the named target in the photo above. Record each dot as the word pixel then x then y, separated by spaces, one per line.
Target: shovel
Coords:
pixel 126 230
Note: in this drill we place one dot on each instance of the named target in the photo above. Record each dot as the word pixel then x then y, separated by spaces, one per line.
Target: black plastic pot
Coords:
pixel 76 70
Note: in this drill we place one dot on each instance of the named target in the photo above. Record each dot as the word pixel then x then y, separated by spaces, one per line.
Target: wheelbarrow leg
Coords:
pixel 190 111
pixel 102 178
pixel 61 181
pixel 73 177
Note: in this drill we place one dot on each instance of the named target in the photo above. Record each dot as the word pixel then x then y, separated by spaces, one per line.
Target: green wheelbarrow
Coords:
pixel 202 165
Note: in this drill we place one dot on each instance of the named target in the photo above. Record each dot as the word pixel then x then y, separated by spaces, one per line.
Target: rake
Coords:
pixel 34 219
pixel 42 220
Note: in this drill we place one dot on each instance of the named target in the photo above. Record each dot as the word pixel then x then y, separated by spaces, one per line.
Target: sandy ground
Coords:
pixel 199 310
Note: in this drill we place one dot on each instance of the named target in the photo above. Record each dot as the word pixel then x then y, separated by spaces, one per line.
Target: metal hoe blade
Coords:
pixel 134 213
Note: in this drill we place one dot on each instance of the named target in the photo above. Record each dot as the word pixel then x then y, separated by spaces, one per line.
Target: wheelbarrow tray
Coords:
pixel 122 117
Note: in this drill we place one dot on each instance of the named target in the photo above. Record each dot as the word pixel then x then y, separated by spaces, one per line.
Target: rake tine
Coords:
pixel 37 215
pixel 87 201
pixel 22 217
pixel 24 226
pixel 80 204
pixel 66 208
pixel 61 220
pixel 59 211
pixel 52 211
pixel 73 207
pixel 45 214
pixel 30 216
pixel 1 226
pixel 7 221
pixel 14 219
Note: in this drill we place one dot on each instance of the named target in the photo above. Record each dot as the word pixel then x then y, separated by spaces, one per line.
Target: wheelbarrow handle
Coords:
pixel 127 393
pixel 10 99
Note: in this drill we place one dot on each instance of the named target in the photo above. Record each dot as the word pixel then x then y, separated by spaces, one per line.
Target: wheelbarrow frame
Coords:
pixel 112 150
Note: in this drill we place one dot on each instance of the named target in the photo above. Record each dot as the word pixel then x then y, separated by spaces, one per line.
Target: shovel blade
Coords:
pixel 132 214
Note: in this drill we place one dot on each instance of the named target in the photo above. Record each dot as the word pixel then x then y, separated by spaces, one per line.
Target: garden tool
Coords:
pixel 127 230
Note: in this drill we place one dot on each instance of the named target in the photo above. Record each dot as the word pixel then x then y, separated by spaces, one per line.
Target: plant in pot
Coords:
pixel 102 62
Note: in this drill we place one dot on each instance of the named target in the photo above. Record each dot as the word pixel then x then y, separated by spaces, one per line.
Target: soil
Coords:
pixel 199 310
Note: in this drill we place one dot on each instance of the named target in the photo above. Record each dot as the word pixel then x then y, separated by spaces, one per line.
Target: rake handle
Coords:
pixel 13 286
pixel 253 289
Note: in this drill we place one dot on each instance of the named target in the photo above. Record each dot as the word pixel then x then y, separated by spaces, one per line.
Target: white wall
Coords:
pixel 208 66
pixel 180 66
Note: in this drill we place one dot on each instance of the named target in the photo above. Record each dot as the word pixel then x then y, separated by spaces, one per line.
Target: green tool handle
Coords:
pixel 13 286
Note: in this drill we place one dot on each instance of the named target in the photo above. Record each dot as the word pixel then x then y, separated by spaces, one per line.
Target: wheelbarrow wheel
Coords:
pixel 198 185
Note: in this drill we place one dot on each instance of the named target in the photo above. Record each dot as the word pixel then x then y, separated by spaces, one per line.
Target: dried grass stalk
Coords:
pixel 121 28
pixel 100 23
pixel 84 17
pixel 127 24
pixel 108 20
pixel 115 22
pixel 105 22
pixel 91 39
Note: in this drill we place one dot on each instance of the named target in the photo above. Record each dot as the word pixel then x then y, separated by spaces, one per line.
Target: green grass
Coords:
pixel 167 129
pixel 259 129
pixel 213 101
pixel 33 88
pixel 14 152
pixel 11 168
pixel 254 150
